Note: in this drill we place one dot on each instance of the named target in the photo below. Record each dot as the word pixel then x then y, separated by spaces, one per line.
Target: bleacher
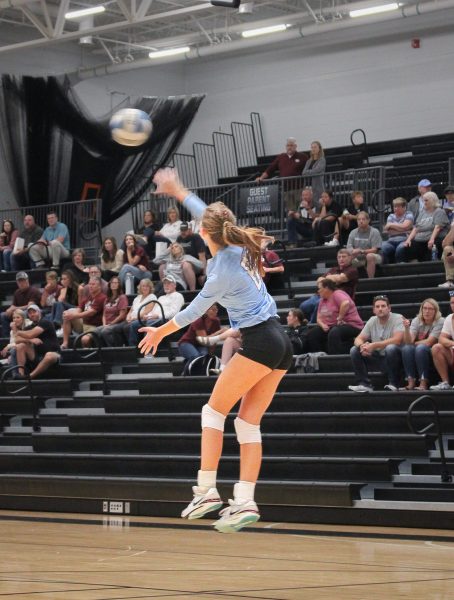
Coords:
pixel 329 455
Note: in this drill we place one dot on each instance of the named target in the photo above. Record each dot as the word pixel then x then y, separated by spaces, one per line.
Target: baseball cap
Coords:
pixel 33 307
pixel 449 188
pixel 424 183
pixel 170 278
pixel 184 226
pixel 21 275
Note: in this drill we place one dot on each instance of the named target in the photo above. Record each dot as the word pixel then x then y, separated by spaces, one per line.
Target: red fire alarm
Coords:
pixel 415 43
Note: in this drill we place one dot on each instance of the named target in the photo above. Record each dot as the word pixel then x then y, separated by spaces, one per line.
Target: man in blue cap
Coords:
pixel 416 204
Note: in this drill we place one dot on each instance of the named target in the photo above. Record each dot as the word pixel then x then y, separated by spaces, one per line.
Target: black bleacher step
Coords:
pixel 405 295
pixel 44 388
pixel 290 422
pixel 430 468
pixel 14 405
pixel 150 366
pixel 409 309
pixel 15 439
pixel 365 445
pixel 424 159
pixel 445 146
pixel 115 355
pixel 415 494
pixel 400 269
pixel 417 280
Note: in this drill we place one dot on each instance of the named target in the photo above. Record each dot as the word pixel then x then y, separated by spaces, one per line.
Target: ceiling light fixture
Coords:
pixel 84 12
pixel 264 30
pixel 169 52
pixel 373 10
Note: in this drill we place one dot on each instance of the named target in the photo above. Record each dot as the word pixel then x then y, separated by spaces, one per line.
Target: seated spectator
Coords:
pixel 87 316
pixel 112 258
pixel 50 293
pixel 348 221
pixel 448 203
pixel 84 290
pixel 398 226
pixel 324 224
pixel 77 266
pixel 431 226
pixel 56 239
pixel 150 233
pixel 22 298
pixel 273 267
pixel 118 334
pixel 173 261
pixel 208 324
pixel 296 329
pixel 114 313
pixel 36 345
pixel 67 298
pixel 300 221
pixel 416 204
pixel 314 170
pixel 194 246
pixel 448 258
pixel 135 261
pixel 419 337
pixel 171 229
pixel 365 242
pixel 378 347
pixel 30 234
pixel 337 319
pixel 443 350
pixel 8 237
pixel 231 339
pixel 171 303
pixel 18 323
pixel 344 276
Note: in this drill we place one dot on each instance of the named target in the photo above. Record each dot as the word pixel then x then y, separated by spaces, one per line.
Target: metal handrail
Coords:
pixel 170 352
pixel 97 233
pixel 27 386
pixel 446 477
pixel 377 206
pixel 48 259
pixel 363 143
pixel 97 351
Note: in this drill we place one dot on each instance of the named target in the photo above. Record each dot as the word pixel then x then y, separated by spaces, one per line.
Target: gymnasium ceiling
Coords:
pixel 129 29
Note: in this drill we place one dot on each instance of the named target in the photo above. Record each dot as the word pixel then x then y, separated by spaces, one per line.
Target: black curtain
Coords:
pixel 51 146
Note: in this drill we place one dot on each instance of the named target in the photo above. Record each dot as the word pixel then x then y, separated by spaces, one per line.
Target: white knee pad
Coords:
pixel 246 433
pixel 212 418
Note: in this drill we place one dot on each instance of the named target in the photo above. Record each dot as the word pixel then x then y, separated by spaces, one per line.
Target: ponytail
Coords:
pixel 250 238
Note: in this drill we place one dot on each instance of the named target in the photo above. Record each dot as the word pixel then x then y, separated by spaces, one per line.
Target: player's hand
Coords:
pixel 167 182
pixel 151 340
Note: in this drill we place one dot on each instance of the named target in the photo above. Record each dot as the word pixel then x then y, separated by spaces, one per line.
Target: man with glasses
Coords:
pixel 443 351
pixel 398 226
pixel 378 347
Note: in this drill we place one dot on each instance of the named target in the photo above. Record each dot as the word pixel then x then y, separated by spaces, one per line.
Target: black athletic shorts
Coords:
pixel 268 344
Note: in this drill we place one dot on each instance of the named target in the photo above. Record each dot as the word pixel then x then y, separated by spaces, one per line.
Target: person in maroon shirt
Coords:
pixel 273 267
pixel 87 316
pixel 208 324
pixel 23 297
pixel 136 261
pixel 114 312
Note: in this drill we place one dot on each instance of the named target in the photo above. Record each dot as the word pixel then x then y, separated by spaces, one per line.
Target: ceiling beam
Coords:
pixel 60 20
pixel 36 22
pixel 125 10
pixel 143 8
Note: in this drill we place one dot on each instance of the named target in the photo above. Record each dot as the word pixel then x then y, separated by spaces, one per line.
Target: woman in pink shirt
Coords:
pixel 338 321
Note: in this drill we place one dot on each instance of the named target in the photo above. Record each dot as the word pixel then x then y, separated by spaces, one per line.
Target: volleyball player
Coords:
pixel 234 280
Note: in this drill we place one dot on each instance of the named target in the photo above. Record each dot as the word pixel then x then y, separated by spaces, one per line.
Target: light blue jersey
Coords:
pixel 229 283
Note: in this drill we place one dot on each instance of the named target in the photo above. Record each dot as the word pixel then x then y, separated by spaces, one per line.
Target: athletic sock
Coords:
pixel 206 479
pixel 243 490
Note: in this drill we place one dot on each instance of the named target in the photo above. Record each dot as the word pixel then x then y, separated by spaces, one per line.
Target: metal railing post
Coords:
pixel 27 386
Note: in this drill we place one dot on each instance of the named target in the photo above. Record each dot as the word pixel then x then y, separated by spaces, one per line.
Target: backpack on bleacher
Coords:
pixel 201 365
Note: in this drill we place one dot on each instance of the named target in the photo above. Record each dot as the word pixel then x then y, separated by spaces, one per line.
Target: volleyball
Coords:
pixel 130 127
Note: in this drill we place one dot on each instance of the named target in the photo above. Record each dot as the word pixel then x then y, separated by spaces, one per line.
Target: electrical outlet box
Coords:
pixel 116 507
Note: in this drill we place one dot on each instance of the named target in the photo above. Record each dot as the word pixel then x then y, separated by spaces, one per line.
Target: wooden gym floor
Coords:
pixel 47 556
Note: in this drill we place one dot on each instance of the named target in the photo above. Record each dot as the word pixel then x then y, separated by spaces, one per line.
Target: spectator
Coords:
pixel 77 266
pixel 289 164
pixel 419 337
pixel 431 226
pixel 378 347
pixel 443 350
pixel 24 295
pixel 231 339
pixel 173 261
pixel 84 290
pixel 365 243
pixel 296 329
pixel 315 169
pixel 18 322
pixel 337 319
pixel 56 239
pixel 398 226
pixel 194 246
pixel 188 345
pixel 300 222
pixel 114 312
pixel 135 261
pixel 37 344
pixel 448 204
pixel 8 237
pixel 344 276
pixel 112 258
pixel 416 204
pixel 273 267
pixel 171 303
pixel 118 334
pixel 68 298
pixel 324 224
pixel 87 316
pixel 448 258
pixel 171 229
pixel 30 234
pixel 151 233
pixel 349 217
pixel 50 293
